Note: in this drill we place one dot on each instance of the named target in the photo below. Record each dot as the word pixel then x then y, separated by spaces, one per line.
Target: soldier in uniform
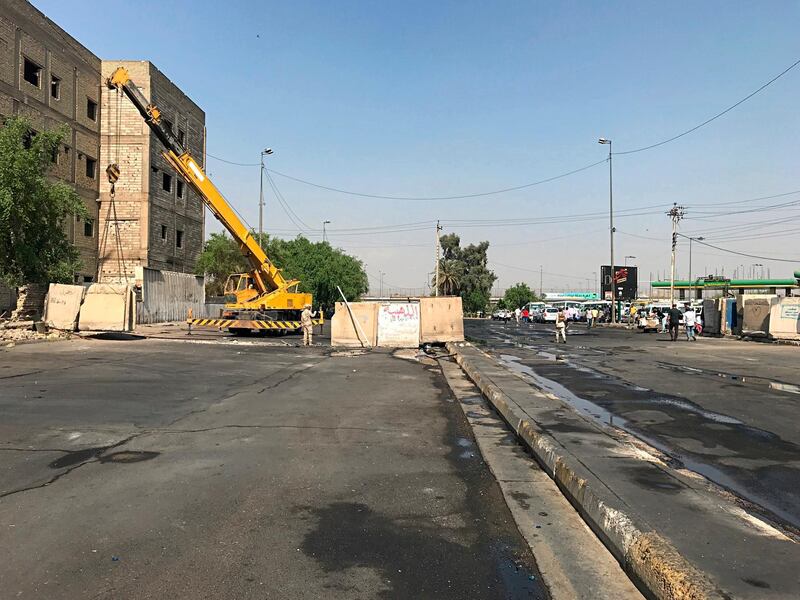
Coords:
pixel 308 324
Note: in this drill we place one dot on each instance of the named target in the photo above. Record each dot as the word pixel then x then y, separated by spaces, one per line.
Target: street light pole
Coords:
pixel 264 152
pixel 611 224
pixel 541 288
pixel 324 236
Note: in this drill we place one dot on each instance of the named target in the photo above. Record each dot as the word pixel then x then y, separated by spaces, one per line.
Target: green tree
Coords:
pixel 518 295
pixel 33 209
pixel 318 266
pixel 473 280
pixel 450 273
pixel 220 258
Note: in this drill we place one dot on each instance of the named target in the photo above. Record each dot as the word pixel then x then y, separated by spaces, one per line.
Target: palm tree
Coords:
pixel 449 277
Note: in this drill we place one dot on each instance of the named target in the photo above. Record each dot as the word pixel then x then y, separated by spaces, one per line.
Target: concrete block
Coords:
pixel 784 319
pixel 441 320
pixel 108 307
pixel 712 317
pixel 398 324
pixel 63 305
pixel 756 313
pixel 343 327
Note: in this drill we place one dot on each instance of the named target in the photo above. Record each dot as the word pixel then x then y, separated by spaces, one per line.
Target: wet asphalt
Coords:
pixel 145 468
pixel 724 409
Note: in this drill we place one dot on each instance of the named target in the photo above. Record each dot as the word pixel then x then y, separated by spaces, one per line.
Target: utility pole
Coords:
pixel 611 226
pixel 264 152
pixel 380 280
pixel 676 214
pixel 541 289
pixel 438 247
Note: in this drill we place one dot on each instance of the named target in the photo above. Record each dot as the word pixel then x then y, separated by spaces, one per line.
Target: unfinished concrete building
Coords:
pixel 47 76
pixel 155 220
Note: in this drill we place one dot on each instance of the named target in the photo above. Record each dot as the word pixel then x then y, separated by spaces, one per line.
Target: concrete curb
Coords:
pixel 653 563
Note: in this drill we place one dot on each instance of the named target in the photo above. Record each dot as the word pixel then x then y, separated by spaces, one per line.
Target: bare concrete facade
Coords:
pixel 155 221
pixel 47 76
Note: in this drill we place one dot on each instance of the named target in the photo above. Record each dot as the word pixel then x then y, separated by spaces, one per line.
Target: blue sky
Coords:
pixel 451 98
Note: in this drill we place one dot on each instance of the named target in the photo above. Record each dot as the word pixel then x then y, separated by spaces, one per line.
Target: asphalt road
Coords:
pixel 157 468
pixel 725 409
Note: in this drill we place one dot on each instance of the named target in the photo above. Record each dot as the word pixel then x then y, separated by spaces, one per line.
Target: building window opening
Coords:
pixel 163 233
pixel 27 139
pixel 181 136
pixel 91 167
pixel 55 87
pixel 32 73
pixel 166 182
pixel 179 188
pixel 168 124
pixel 91 109
pixel 88 279
pixel 178 238
pixel 88 228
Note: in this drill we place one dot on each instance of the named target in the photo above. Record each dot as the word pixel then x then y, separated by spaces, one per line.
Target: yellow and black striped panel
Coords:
pixel 248 324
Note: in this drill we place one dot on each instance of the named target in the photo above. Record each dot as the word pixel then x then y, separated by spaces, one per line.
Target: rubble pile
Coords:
pixel 14 331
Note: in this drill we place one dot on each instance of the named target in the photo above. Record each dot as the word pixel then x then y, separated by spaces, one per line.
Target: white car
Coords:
pixel 549 315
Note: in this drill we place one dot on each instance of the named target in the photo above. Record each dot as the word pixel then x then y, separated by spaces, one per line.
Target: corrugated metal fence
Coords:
pixel 168 296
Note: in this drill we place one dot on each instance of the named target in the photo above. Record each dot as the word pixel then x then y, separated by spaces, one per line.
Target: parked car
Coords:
pixel 549 314
pixel 501 315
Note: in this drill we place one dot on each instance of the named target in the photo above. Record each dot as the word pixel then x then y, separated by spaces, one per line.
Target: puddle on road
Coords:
pixel 518 581
pixel 744 379
pixel 77 457
pixel 785 387
pixel 772 487
pixel 585 407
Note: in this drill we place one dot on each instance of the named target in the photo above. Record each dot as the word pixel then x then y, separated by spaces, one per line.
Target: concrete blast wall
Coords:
pixel 755 314
pixel 398 324
pixel 108 307
pixel 344 331
pixel 441 320
pixel 63 305
pixel 784 320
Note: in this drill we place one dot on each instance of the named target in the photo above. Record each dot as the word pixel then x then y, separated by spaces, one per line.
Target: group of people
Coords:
pixel 671 319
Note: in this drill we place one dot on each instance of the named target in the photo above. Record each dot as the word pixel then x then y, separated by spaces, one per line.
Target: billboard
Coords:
pixel 624 284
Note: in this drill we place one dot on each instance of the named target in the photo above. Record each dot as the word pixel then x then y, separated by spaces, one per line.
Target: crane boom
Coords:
pixel 270 290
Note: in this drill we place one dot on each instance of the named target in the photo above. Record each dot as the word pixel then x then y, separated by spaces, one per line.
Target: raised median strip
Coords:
pixel 674 535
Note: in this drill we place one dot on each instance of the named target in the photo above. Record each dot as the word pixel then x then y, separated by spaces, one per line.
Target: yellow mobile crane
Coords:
pixel 261 299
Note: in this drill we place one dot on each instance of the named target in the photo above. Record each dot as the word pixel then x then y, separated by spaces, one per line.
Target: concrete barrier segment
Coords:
pixel 656 567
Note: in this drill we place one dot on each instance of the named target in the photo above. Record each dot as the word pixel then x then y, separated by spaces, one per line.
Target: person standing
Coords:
pixel 526 315
pixel 307 323
pixel 589 318
pixel 689 321
pixel 561 325
pixel 675 316
pixel 517 313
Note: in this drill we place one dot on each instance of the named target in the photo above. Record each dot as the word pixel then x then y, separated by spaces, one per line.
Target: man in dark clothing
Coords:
pixel 675 316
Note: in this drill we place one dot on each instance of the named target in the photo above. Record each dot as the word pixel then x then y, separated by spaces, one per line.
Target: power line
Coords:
pixel 426 198
pixel 715 117
pixel 794 260
pixel 230 162
pixel 293 216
